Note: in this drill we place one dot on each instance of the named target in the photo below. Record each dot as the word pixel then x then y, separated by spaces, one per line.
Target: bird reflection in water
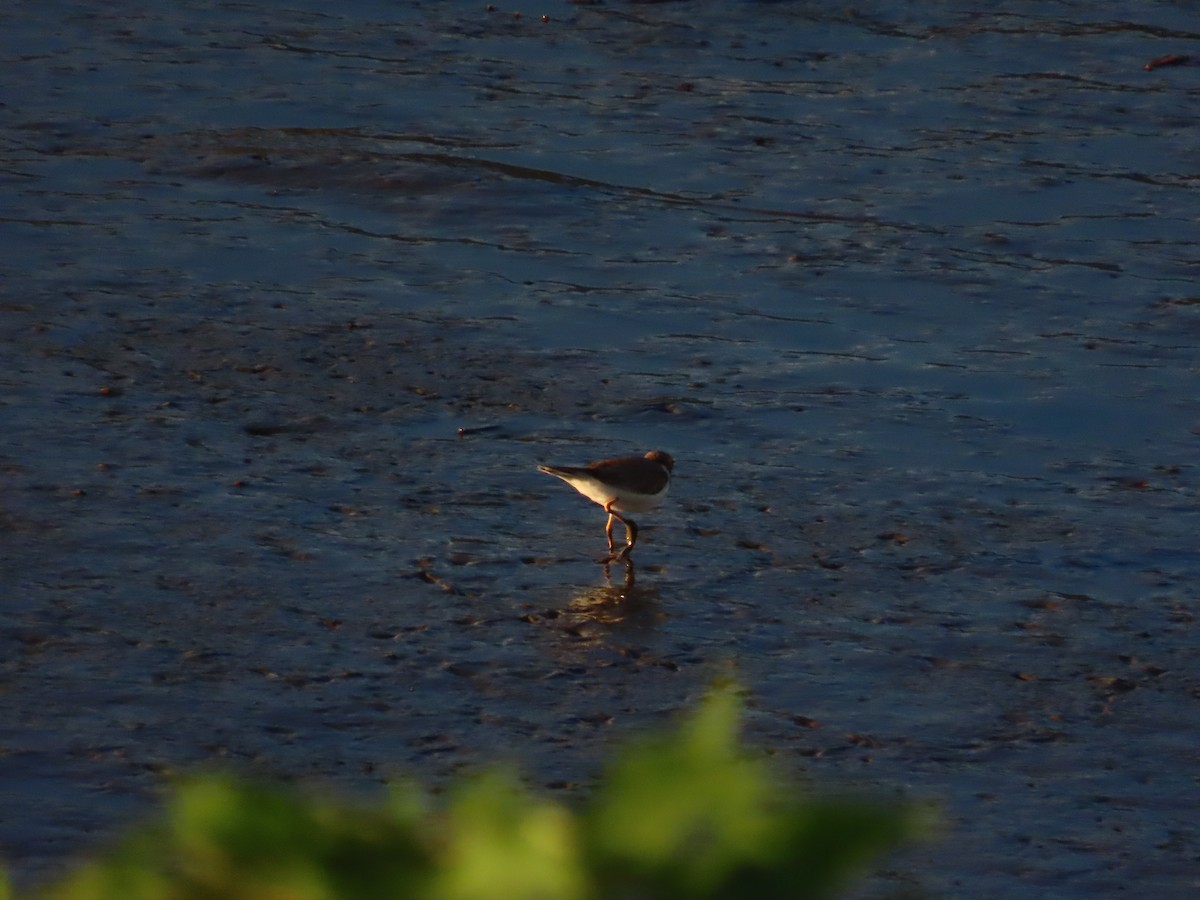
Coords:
pixel 620 600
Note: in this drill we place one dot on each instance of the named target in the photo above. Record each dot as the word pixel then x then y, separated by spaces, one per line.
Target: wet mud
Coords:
pixel 294 304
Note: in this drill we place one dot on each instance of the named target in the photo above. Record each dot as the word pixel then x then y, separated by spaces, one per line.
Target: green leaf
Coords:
pixel 501 844
pixel 692 816
pixel 686 816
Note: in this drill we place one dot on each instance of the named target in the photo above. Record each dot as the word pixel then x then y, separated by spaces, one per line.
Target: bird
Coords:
pixel 625 484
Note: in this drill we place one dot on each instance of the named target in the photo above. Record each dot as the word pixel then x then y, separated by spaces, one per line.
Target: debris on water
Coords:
pixel 1170 59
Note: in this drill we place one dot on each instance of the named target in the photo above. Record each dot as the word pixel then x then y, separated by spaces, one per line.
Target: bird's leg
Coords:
pixel 631 532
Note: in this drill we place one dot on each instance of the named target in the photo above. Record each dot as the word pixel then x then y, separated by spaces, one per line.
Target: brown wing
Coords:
pixel 632 472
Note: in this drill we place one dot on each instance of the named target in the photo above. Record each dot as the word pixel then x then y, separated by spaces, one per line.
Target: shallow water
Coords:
pixel 908 291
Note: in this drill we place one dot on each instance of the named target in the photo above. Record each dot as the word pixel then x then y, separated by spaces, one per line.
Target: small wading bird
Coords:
pixel 627 484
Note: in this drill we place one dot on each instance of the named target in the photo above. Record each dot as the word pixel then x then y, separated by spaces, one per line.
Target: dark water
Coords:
pixel 908 290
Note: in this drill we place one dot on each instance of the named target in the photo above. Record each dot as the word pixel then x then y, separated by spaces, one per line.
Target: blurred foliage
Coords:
pixel 687 815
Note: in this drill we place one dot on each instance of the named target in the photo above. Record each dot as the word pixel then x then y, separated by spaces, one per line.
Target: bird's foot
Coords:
pixel 615 555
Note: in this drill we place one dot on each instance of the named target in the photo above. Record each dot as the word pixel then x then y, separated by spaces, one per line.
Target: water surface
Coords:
pixel 907 290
